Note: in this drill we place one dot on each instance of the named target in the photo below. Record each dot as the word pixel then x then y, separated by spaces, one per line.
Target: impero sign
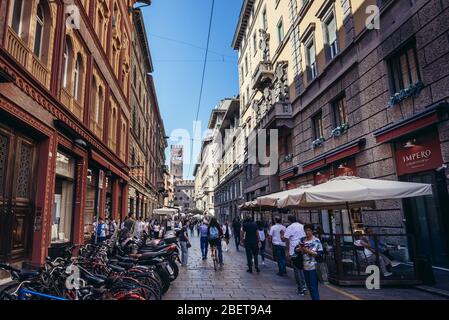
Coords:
pixel 418 154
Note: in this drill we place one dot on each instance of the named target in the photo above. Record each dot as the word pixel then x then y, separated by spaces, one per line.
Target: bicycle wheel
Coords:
pixel 7 290
pixel 175 268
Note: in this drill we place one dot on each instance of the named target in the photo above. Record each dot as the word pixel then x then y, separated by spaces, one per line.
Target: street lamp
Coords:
pixel 147 3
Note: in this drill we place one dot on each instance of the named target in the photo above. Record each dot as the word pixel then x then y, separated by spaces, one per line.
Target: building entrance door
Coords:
pixel 427 218
pixel 17 188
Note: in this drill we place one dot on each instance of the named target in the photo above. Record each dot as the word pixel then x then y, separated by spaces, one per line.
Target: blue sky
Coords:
pixel 177 33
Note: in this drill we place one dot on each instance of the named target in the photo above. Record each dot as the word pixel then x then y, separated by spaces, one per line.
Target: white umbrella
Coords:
pixel 354 189
pixel 248 205
pixel 271 200
pixel 292 197
pixel 165 212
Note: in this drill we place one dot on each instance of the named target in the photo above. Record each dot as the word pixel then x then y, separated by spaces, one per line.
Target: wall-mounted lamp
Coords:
pixel 410 144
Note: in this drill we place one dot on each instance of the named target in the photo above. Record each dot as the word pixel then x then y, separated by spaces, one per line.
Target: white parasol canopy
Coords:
pixel 354 189
pixel 248 205
pixel 271 200
pixel 165 212
pixel 292 197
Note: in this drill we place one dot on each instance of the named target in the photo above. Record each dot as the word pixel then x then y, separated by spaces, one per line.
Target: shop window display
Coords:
pixel 63 199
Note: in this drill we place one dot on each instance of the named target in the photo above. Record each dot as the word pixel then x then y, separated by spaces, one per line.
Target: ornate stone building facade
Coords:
pixel 368 96
pixel 64 122
pixel 227 161
pixel 147 134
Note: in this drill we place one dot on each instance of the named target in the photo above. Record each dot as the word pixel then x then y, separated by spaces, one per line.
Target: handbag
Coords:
pixel 189 245
pixel 297 260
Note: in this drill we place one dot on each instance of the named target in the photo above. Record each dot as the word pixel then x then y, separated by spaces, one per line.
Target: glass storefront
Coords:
pixel 108 206
pixel 91 201
pixel 62 217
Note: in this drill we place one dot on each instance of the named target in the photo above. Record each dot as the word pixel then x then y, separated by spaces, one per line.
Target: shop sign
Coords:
pixel 418 154
pixel 65 165
pixel 100 179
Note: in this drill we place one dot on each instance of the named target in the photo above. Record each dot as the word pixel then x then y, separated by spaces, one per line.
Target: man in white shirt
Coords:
pixel 293 235
pixel 276 233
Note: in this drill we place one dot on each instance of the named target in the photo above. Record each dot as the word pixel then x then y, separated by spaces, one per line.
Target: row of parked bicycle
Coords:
pixel 121 268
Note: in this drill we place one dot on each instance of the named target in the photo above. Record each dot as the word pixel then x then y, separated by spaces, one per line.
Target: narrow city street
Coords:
pixel 199 281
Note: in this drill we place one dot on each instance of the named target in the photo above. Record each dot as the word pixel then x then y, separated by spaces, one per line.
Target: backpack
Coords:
pixel 213 233
pixel 99 229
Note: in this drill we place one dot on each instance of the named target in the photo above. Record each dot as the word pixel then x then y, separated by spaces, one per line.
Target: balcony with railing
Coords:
pixel 71 103
pixel 279 115
pixel 23 54
pixel 263 76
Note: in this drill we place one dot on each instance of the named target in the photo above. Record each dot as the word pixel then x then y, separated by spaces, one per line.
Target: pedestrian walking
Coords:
pixel 140 225
pixel 250 240
pixel 226 236
pixel 203 238
pixel 191 226
pixel 236 226
pixel 312 251
pixel 130 224
pixel 262 240
pixel 101 231
pixel 112 227
pixel 184 241
pixel 106 225
pixel 276 233
pixel 215 234
pixel 156 229
pixel 293 235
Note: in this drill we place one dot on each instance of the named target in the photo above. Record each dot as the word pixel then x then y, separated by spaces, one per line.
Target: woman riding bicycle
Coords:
pixel 215 234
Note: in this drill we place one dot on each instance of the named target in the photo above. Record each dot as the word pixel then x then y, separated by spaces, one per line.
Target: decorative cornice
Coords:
pixel 245 13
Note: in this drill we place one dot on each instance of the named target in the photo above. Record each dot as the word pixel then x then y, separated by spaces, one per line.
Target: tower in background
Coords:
pixel 176 162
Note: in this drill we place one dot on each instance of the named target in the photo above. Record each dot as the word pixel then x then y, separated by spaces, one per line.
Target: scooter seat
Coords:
pixel 95 281
pixel 116 268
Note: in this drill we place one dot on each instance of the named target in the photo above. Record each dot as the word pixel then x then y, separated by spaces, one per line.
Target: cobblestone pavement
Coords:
pixel 199 281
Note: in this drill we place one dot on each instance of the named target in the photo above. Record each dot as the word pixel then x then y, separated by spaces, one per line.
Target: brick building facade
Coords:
pixel 64 122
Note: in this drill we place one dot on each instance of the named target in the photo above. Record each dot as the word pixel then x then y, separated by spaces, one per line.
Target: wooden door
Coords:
pixel 17 177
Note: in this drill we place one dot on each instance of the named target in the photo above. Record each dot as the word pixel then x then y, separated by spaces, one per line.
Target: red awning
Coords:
pixel 426 118
pixel 331 156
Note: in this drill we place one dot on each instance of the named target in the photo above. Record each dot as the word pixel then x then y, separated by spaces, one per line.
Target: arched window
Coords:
pixel 116 17
pixel 94 102
pixel 99 108
pixel 67 63
pixel 134 119
pixel 79 76
pixel 133 156
pixel 39 32
pixel 135 77
pixel 100 26
pixel 123 142
pixel 17 14
pixel 113 131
